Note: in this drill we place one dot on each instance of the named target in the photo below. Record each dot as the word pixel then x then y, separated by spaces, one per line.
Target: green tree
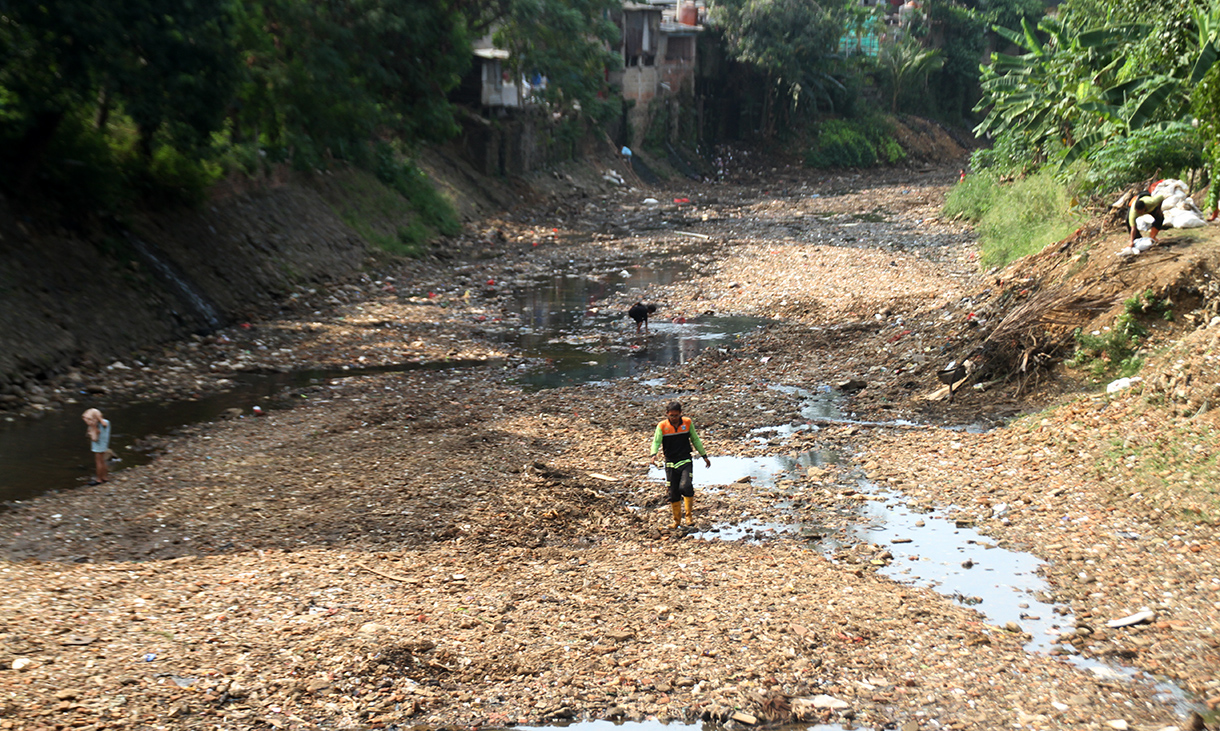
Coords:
pixel 50 55
pixel 792 42
pixel 166 66
pixel 906 63
pixel 954 87
pixel 566 41
pixel 324 78
pixel 170 66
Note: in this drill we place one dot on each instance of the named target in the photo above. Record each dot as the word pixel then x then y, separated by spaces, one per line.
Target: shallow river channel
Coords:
pixel 562 325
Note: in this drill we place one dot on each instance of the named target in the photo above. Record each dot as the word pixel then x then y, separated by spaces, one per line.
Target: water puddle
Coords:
pixel 1001 584
pixel 609 356
pixel 562 322
pixel 763 472
pixel 52 453
pixel 759 471
pixel 928 550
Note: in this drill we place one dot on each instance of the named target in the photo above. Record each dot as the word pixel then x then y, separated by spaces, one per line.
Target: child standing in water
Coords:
pixel 98 429
pixel 676 435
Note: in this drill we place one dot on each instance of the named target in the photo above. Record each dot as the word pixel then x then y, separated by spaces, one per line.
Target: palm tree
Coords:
pixel 904 62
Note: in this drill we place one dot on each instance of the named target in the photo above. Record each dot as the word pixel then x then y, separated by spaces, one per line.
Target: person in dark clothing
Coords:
pixel 676 435
pixel 640 312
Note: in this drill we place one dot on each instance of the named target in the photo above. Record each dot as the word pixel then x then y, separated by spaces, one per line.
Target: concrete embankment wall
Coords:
pixel 70 298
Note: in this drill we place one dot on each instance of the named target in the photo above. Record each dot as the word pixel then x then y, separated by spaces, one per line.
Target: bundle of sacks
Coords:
pixel 1179 209
pixel 1137 247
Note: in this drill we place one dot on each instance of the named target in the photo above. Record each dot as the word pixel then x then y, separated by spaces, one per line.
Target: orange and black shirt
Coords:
pixel 677 441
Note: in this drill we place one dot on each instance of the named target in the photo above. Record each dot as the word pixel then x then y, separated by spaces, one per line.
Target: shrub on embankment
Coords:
pixel 1013 219
pixel 854 143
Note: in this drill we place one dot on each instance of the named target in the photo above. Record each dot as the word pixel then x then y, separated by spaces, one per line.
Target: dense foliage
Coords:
pixel 1093 84
pixel 101 103
pixel 568 43
pixel 1017 219
pixel 858 143
pixel 1166 152
pixel 792 43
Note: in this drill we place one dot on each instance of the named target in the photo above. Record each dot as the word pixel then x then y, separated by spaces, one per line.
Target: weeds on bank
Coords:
pixel 434 214
pixel 1113 352
pixel 1014 219
pixel 1175 472
pixel 396 209
pixel 971 198
pixel 856 143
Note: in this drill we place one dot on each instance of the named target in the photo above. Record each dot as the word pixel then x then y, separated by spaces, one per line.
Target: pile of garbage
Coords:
pixel 1177 207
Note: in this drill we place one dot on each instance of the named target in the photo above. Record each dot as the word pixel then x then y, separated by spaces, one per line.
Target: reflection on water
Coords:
pixel 52 453
pixel 571 362
pixel 563 323
pixel 1000 584
pixel 758 471
pixel 762 472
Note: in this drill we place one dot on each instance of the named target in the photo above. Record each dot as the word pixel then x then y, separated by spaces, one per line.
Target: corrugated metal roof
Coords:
pixel 673 28
pixel 499 53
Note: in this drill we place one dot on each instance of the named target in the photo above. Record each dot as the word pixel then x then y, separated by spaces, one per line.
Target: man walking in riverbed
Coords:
pixel 675 435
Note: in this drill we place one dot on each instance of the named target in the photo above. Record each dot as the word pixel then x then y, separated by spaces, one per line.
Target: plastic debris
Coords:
pixel 1121 383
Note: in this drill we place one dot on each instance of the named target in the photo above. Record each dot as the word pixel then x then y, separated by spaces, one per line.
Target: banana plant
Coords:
pixel 1067 86
pixel 1057 85
pixel 1208 25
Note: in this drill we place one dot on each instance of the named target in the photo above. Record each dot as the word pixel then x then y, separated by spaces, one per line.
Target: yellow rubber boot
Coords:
pixel 690 510
pixel 676 508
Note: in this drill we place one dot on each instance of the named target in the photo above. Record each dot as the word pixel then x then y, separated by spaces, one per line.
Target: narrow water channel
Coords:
pixel 929 549
pixel 561 325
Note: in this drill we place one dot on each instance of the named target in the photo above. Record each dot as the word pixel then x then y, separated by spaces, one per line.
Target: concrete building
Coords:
pixel 658 51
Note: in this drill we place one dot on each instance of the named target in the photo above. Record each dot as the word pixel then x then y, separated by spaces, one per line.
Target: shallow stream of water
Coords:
pixel 561 323
pixel 929 549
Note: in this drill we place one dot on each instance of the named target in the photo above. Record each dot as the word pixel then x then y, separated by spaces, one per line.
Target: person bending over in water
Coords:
pixel 640 312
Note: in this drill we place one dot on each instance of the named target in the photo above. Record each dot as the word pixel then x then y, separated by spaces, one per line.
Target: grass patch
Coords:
pixel 435 211
pixel 856 143
pixel 1174 471
pixel 1143 154
pixel 370 208
pixel 971 198
pixel 396 209
pixel 1016 219
pixel 1112 353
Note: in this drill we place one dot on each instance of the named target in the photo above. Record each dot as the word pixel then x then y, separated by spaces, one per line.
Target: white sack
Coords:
pixel 1170 186
pixel 1181 218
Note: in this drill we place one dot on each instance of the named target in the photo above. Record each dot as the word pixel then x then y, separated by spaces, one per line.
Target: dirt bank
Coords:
pixel 445 547
pixel 71 300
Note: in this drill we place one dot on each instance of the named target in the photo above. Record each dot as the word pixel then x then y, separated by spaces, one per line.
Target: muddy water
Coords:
pixel 561 325
pixel 52 453
pixel 564 323
pixel 1002 585
pixel 928 550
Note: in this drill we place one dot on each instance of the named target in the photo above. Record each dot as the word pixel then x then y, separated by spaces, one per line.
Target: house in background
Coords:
pixel 488 85
pixel 658 50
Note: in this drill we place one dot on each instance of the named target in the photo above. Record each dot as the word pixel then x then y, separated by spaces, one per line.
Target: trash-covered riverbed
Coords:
pixel 452 547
